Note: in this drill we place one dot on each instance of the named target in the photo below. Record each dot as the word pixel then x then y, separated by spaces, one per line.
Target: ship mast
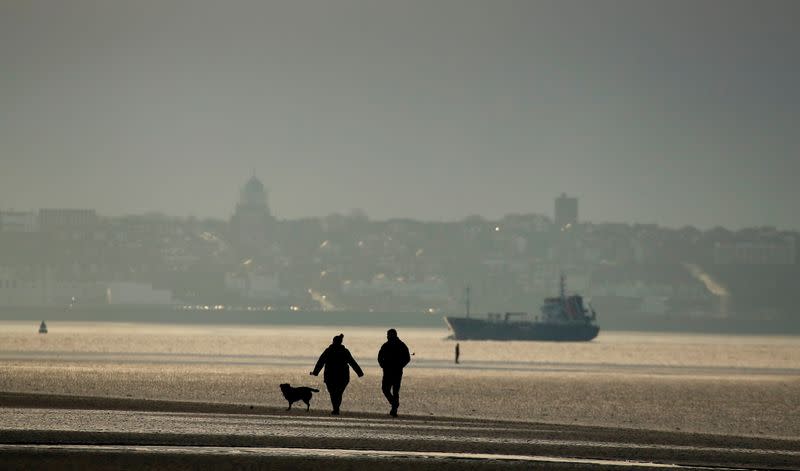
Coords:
pixel 562 286
pixel 466 299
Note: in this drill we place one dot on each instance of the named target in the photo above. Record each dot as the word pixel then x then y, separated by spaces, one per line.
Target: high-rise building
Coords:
pixel 566 211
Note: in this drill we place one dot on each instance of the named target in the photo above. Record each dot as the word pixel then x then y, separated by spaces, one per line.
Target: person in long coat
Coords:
pixel 337 361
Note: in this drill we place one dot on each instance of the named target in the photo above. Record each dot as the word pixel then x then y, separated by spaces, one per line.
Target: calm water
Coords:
pixel 301 344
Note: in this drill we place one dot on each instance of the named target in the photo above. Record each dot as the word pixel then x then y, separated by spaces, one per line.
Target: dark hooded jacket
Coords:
pixel 393 355
pixel 337 361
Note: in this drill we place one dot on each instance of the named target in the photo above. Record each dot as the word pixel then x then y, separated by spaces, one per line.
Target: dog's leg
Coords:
pixel 290 406
pixel 308 404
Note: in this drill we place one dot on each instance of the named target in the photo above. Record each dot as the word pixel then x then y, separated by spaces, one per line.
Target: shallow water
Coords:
pixel 275 343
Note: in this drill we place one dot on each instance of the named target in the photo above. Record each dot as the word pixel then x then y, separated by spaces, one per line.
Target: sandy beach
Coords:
pixel 51 432
pixel 632 390
pixel 761 406
pixel 704 384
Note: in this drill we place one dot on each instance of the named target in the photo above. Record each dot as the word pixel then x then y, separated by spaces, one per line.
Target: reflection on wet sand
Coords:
pixel 703 383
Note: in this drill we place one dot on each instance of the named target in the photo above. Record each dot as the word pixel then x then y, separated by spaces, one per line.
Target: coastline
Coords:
pixel 159 396
pixel 168 314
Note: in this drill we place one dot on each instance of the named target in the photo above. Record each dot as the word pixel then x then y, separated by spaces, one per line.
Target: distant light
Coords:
pixel 420 252
pixel 323 273
pixel 497 228
pixel 324 244
pixel 360 243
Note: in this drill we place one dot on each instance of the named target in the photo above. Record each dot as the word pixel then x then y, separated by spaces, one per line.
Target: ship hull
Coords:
pixel 479 329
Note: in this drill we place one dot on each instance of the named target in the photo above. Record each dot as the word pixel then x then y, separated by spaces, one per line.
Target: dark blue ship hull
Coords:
pixel 465 328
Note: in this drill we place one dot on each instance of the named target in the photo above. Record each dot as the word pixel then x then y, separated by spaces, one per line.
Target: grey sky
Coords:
pixel 674 112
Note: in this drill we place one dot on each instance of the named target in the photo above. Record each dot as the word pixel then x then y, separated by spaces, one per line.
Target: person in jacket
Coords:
pixel 393 357
pixel 337 361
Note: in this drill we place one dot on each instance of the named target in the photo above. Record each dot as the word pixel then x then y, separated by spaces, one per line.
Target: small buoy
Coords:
pixel 42 328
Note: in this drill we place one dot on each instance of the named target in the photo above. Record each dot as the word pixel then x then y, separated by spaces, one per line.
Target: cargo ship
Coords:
pixel 563 318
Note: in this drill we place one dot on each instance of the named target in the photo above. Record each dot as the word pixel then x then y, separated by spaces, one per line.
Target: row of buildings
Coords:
pixel 75 256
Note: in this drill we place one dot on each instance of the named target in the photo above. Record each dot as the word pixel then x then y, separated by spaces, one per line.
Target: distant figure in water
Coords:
pixel 458 353
pixel 337 361
pixel 393 357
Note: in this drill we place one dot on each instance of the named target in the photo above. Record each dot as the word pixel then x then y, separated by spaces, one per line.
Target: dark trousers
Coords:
pixel 391 386
pixel 335 390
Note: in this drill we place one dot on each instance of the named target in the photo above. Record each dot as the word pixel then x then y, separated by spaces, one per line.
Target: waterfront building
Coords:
pixel 778 251
pixel 69 220
pixel 17 221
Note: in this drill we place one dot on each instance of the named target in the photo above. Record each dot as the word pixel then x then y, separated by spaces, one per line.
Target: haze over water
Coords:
pixel 362 162
pixel 670 112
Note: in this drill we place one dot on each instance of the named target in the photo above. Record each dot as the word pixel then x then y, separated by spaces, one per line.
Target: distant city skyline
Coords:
pixel 675 113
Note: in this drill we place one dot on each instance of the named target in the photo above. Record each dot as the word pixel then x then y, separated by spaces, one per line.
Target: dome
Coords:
pixel 253 194
pixel 253 185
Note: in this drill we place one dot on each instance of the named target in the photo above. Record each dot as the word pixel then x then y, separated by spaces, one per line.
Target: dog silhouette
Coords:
pixel 293 395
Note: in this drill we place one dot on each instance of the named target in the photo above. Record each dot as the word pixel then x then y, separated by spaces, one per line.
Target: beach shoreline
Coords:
pixel 758 406
pixel 144 395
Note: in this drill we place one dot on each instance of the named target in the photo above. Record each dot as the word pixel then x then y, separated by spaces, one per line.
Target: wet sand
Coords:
pixel 49 432
pixel 637 391
pixel 764 405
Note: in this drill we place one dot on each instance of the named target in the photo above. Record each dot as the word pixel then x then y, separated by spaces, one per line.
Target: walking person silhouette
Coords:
pixel 393 357
pixel 337 361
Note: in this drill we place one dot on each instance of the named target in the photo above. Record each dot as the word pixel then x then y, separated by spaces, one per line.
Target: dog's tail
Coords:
pixel 315 390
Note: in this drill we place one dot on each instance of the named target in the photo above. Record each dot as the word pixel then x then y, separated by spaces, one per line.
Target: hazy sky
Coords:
pixel 674 112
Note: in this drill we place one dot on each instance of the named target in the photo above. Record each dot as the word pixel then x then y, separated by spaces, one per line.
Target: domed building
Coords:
pixel 253 194
pixel 252 221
